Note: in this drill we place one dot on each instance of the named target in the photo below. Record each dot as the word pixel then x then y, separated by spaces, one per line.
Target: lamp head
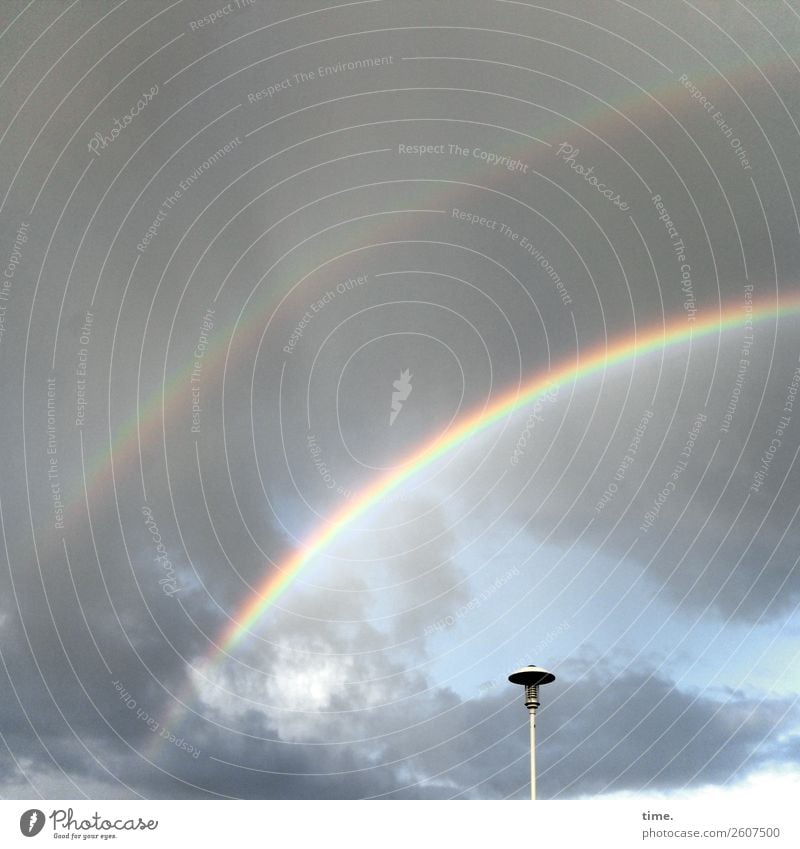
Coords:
pixel 530 677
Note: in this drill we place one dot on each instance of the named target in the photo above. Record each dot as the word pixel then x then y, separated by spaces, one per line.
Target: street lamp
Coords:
pixel 530 677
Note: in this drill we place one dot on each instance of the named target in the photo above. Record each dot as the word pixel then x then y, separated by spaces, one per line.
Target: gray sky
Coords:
pixel 256 256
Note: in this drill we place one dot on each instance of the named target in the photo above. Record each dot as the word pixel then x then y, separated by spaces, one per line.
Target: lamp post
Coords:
pixel 530 677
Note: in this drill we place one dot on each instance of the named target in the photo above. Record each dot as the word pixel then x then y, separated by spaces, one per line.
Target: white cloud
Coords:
pixel 777 785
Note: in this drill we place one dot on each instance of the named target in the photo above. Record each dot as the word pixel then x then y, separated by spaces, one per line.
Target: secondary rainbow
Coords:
pixel 167 400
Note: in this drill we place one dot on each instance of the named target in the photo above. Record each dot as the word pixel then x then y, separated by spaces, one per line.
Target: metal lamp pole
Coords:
pixel 531 677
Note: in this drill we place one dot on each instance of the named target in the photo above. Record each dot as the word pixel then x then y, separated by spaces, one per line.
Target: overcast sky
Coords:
pixel 256 255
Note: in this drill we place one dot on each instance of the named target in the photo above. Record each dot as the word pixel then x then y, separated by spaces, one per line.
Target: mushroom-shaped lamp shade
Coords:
pixel 530 675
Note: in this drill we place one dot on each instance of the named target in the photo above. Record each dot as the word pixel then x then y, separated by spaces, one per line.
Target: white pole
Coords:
pixel 531 677
pixel 533 754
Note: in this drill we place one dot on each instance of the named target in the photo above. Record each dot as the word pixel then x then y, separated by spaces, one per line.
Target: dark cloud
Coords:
pixel 598 733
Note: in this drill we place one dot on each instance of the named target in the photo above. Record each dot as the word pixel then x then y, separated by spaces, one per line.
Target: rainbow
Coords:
pixel 653 340
pixel 625 350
